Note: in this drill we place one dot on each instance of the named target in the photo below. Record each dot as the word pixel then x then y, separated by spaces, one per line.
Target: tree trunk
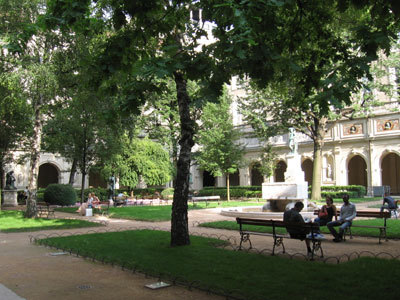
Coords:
pixel 319 136
pixel 179 217
pixel 34 167
pixel 72 172
pixel 1 181
pixel 228 193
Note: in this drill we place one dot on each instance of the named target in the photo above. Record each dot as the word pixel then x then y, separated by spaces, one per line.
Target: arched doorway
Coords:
pixel 307 167
pixel 96 180
pixel 208 179
pixel 279 173
pixel 391 172
pixel 357 171
pixel 48 173
pixel 256 177
pixel 234 179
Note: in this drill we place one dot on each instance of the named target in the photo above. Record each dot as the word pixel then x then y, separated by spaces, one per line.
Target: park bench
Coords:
pixel 44 211
pixel 204 198
pixel 368 214
pixel 313 228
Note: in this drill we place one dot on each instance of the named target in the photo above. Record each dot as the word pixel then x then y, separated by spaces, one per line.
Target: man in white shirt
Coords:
pixel 347 214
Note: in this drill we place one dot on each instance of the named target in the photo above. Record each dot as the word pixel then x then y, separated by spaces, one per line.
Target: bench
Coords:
pixel 204 198
pixel 313 228
pixel 44 211
pixel 368 214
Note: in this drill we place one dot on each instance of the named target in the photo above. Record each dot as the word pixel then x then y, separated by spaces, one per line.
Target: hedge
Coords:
pixel 337 191
pixel 235 191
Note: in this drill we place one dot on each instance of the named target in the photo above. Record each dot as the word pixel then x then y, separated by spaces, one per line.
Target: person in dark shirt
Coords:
pixel 388 203
pixel 293 216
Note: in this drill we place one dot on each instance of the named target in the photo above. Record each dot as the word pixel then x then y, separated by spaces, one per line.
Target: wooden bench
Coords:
pixel 368 214
pixel 313 228
pixel 44 211
pixel 204 198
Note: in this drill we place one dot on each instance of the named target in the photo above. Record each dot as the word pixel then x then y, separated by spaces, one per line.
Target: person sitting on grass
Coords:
pixel 293 216
pixel 326 212
pixel 347 214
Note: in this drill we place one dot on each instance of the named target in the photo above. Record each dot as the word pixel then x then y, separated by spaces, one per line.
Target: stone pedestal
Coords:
pixel 10 198
pixel 295 188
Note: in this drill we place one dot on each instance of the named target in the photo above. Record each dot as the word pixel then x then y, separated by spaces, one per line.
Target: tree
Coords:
pixel 149 40
pixel 14 120
pixel 139 160
pixel 220 152
pixel 314 55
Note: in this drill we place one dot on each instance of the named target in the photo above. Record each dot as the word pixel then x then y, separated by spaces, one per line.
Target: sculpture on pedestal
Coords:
pixel 10 181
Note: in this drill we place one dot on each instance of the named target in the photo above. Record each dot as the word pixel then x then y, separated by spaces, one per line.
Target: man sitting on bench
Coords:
pixel 347 214
pixel 293 216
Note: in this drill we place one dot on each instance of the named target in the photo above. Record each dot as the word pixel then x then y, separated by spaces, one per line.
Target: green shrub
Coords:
pixel 235 191
pixel 60 194
pixel 167 193
pixel 357 191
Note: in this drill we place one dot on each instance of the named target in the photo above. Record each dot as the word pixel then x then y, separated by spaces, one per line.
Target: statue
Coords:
pixel 292 141
pixel 10 181
pixel 111 182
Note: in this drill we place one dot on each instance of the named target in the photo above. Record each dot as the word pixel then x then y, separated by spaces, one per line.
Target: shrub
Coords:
pixel 60 194
pixel 167 193
pixel 235 191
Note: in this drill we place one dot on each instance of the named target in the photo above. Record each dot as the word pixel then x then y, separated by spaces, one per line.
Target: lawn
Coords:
pixel 392 230
pixel 159 213
pixel 339 201
pixel 251 275
pixel 13 221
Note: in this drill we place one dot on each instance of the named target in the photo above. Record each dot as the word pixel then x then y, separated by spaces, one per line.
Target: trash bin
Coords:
pixel 89 212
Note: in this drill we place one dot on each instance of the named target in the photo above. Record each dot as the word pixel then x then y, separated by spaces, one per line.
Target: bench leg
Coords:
pixel 245 237
pixel 315 248
pixel 278 241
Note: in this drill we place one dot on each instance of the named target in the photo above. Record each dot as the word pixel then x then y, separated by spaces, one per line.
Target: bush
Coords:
pixel 60 194
pixel 235 192
pixel 101 193
pixel 167 193
pixel 337 191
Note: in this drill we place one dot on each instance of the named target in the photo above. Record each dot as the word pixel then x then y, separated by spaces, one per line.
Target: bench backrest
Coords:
pixel 367 214
pixel 313 227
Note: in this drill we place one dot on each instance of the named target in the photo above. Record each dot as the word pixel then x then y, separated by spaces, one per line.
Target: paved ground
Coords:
pixel 33 273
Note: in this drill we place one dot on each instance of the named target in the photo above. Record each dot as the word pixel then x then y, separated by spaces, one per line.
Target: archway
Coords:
pixel 96 180
pixel 208 179
pixel 256 177
pixel 48 173
pixel 279 174
pixel 357 171
pixel 307 167
pixel 391 172
pixel 234 179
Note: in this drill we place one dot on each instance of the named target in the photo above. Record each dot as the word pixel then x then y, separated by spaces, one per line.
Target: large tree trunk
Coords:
pixel 1 180
pixel 73 172
pixel 319 135
pixel 179 217
pixel 34 167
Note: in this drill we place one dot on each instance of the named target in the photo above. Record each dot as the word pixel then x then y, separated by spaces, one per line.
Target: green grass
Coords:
pixel 13 221
pixel 159 213
pixel 253 276
pixel 393 227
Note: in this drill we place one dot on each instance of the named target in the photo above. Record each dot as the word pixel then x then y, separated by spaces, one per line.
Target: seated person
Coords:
pixel 388 203
pixel 293 216
pixel 347 214
pixel 326 212
pixel 90 200
pixel 95 201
